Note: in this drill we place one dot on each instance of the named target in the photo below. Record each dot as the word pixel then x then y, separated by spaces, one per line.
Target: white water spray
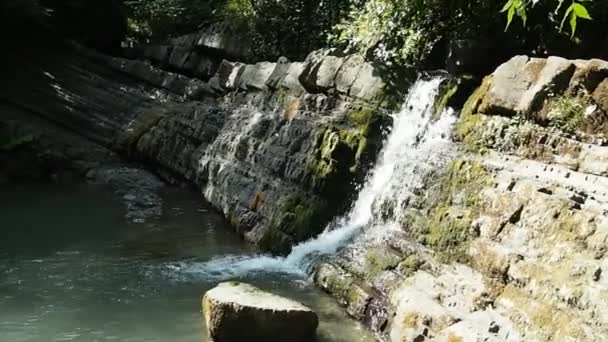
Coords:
pixel 416 145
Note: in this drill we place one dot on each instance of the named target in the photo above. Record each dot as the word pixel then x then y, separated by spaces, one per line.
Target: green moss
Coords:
pixel 567 113
pixel 470 120
pixel 409 265
pixel 459 202
pixel 323 165
pixel 447 91
pixel 378 260
pixel 297 218
pixel 362 115
pixel 342 146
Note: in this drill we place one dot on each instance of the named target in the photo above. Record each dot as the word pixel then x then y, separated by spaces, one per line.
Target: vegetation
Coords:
pixel 572 13
pixel 567 113
pixel 395 32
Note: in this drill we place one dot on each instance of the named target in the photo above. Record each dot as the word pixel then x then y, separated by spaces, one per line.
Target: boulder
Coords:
pixel 241 312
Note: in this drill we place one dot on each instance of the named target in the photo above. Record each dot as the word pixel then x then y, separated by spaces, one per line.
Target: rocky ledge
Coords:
pixel 509 242
pixel 276 147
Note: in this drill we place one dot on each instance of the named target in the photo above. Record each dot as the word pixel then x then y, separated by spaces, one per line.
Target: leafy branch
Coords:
pixel 572 13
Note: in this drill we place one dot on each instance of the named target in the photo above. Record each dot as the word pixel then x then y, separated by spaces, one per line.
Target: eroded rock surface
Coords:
pixel 509 242
pixel 237 312
pixel 276 147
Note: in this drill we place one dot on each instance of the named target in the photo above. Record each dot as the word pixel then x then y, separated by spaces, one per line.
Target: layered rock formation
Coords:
pixel 275 146
pixel 509 242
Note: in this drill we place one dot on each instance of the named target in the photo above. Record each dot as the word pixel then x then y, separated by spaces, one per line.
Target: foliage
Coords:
pixel 155 19
pixel 572 13
pixel 285 28
pixel 406 31
pixel 416 31
pixel 567 113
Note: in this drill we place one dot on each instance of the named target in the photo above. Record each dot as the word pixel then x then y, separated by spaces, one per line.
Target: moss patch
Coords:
pixel 456 203
pixel 447 90
pixel 410 265
pixel 297 218
pixel 469 119
pixel 378 260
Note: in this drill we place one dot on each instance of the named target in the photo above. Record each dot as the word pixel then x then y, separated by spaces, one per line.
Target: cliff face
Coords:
pixel 509 242
pixel 275 146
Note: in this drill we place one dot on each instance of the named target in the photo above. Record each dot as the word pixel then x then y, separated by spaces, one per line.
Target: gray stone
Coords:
pixel 228 75
pixel 521 85
pixel 255 76
pixel 368 85
pixel 319 75
pixel 279 72
pixel 348 73
pixel 179 57
pixel 509 84
pixel 291 80
pixel 219 36
pixel 236 312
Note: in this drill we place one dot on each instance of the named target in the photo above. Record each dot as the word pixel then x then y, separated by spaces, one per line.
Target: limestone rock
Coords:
pixel 320 75
pixel 368 84
pixel 255 76
pixel 236 312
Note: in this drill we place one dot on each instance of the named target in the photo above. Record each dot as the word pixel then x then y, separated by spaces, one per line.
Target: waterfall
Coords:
pixel 416 145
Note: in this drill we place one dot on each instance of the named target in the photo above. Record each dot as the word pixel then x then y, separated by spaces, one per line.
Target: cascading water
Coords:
pixel 416 145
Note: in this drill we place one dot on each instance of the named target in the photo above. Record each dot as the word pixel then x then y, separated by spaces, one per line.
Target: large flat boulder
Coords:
pixel 236 312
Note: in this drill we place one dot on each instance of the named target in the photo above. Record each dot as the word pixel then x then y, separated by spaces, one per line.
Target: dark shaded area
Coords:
pixel 99 24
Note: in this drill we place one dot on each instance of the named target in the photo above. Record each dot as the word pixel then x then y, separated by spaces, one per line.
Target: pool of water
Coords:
pixel 72 268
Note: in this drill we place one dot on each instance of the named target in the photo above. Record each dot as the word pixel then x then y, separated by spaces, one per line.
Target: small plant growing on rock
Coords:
pixel 566 113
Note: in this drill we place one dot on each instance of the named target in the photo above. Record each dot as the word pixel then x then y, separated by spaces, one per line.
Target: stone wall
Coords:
pixel 197 54
pixel 509 242
pixel 276 147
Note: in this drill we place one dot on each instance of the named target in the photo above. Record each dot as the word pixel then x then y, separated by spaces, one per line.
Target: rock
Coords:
pixel 241 312
pixel 158 53
pixel 368 85
pixel 510 82
pixel 347 75
pixel 178 57
pixel 318 76
pixel 255 76
pixel 253 150
pixel 228 75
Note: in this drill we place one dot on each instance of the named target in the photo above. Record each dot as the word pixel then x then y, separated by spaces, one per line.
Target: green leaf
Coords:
pixel 521 12
pixel 508 5
pixel 572 24
pixel 570 9
pixel 510 16
pixel 581 11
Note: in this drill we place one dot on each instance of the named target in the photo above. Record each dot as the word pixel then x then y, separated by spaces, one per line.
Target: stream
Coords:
pixel 72 268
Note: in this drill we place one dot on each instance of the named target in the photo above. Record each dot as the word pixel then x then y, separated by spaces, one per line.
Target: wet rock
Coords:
pixel 277 161
pixel 240 312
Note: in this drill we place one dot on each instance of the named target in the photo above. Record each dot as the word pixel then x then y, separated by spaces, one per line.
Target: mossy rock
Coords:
pixel 378 260
pixel 299 217
pixel 452 205
pixel 470 120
